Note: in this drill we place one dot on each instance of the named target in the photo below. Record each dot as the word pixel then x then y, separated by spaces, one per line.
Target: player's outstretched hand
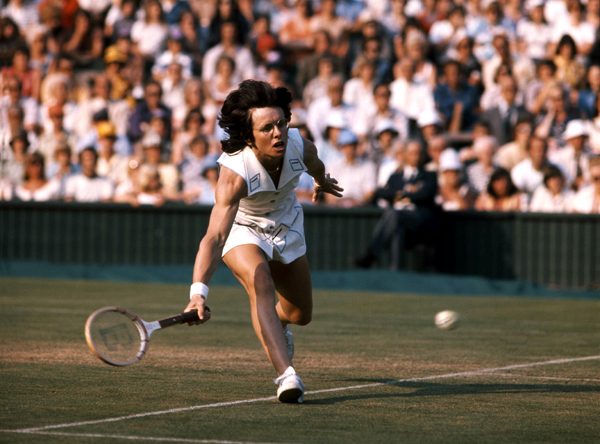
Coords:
pixel 197 302
pixel 329 185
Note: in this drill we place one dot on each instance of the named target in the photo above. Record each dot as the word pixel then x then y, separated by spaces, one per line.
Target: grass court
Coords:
pixel 376 370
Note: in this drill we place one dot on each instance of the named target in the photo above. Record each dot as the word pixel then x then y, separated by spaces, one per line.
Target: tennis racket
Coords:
pixel 121 338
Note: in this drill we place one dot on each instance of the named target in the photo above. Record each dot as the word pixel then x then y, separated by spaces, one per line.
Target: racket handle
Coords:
pixel 189 317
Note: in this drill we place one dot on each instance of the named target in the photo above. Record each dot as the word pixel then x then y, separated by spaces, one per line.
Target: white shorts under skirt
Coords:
pixel 281 243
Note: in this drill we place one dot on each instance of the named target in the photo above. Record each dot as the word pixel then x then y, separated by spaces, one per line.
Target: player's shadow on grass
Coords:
pixel 422 389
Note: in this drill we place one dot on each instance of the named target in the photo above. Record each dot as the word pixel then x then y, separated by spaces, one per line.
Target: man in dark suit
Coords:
pixel 503 117
pixel 410 194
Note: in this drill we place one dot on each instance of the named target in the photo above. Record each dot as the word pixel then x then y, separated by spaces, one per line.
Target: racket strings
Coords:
pixel 116 338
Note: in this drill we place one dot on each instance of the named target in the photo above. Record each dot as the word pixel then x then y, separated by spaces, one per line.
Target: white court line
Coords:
pixel 138 438
pixel 313 392
pixel 550 378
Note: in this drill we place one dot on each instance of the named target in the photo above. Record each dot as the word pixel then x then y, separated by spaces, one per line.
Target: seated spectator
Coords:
pixel 85 43
pixel 174 53
pixel 308 66
pixel 16 158
pixel 21 69
pixel 533 32
pixel 101 120
pixel 56 134
pixel 581 33
pixel 128 190
pixel 455 99
pixel 479 172
pixel 61 168
pixel 501 194
pixel 429 126
pixel 540 87
pixel 462 51
pixel 528 174
pixel 296 34
pixel 317 86
pixel 434 148
pixel 410 193
pixel 385 150
pixel 88 186
pixel 203 190
pixel 503 117
pixel 111 165
pixel 173 86
pixel 327 19
pixel 409 96
pixel 192 129
pixel 320 111
pixel 573 159
pixel 358 91
pixel 381 113
pixel 553 196
pixel 149 33
pixel 355 175
pixel 195 160
pixel 588 94
pixel 35 186
pixel 569 69
pixel 454 193
pixel 151 188
pixel 151 105
pixel 593 128
pixel 511 153
pixel 222 83
pixel 551 124
pixel 244 62
pixel 152 155
pixel 587 200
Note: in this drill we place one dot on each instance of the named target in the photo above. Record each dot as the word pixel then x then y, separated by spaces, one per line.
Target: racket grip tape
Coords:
pixel 188 317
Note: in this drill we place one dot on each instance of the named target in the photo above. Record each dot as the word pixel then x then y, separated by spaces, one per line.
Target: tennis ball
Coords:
pixel 447 320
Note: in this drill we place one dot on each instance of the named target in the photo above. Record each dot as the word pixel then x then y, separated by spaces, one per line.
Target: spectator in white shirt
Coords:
pixel 318 113
pixel 111 165
pixel 244 62
pixel 479 172
pixel 87 186
pixel 355 175
pixel 381 113
pixel 587 200
pixel 534 33
pixel 528 174
pixel 552 196
pixel 573 159
pixel 409 96
pixel 576 26
pixel 358 91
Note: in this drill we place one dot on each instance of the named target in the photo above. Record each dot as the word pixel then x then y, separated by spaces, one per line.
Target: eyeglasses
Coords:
pixel 281 124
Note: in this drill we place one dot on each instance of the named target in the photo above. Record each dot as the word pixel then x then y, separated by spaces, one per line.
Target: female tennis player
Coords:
pixel 257 225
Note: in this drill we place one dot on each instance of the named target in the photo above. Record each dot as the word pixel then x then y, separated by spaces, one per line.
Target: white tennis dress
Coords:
pixel 269 217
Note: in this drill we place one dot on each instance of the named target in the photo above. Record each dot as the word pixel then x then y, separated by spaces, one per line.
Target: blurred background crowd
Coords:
pixel 496 103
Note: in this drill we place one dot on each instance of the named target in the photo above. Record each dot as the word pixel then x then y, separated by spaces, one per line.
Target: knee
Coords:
pixel 300 317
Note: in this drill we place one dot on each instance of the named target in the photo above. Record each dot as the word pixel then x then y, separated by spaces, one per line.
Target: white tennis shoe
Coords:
pixel 289 340
pixel 290 388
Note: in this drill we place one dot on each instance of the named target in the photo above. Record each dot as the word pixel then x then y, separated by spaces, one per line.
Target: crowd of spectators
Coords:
pixel 118 101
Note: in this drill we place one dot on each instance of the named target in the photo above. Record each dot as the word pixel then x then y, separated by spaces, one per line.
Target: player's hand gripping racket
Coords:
pixel 120 337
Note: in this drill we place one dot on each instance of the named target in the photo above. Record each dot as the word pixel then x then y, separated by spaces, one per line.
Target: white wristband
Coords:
pixel 199 288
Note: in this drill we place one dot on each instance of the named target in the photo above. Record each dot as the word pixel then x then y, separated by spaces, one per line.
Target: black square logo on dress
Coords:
pixel 255 182
pixel 296 165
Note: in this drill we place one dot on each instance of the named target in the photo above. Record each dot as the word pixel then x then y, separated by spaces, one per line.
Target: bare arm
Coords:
pixel 230 189
pixel 315 167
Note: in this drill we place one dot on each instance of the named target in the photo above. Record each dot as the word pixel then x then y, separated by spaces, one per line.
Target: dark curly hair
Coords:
pixel 235 118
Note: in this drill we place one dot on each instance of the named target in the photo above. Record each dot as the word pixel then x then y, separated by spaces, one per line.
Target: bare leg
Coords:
pixel 294 289
pixel 249 265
